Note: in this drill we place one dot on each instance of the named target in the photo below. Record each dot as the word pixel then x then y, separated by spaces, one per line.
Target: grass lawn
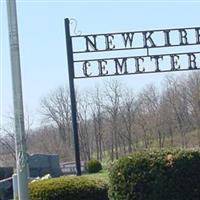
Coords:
pixel 102 174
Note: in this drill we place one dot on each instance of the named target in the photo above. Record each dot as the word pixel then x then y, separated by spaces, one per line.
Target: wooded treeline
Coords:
pixel 114 121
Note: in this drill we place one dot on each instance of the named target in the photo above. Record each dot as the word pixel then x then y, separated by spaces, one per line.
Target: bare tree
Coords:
pixel 176 96
pixel 147 114
pixel 98 121
pixel 7 139
pixel 84 126
pixel 128 113
pixel 113 96
pixel 55 108
pixel 168 120
pixel 193 97
pixel 46 140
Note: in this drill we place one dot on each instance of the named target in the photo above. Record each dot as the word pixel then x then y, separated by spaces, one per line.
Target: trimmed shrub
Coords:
pixel 163 175
pixel 93 166
pixel 69 188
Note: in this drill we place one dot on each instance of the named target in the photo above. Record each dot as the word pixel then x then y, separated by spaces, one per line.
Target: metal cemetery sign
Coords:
pixel 148 41
pixel 97 55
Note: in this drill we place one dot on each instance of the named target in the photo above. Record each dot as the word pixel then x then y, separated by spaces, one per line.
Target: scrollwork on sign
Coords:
pixel 74 23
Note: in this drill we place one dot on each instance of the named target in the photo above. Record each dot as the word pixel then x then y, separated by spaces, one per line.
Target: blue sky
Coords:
pixel 42 40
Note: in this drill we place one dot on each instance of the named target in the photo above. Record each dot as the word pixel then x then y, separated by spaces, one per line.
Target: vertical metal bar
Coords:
pixel 72 95
pixel 15 186
pixel 20 139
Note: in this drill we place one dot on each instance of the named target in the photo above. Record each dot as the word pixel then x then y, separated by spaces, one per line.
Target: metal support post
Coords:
pixel 20 140
pixel 72 95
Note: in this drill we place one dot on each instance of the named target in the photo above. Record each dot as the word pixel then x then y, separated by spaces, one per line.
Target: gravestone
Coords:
pixel 42 164
pixel 6 183
pixel 5 172
pixel 39 165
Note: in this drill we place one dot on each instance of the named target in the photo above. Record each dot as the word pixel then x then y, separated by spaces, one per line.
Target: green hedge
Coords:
pixel 93 166
pixel 69 188
pixel 164 175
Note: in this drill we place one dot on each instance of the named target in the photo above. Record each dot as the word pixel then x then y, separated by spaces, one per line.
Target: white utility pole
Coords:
pixel 20 139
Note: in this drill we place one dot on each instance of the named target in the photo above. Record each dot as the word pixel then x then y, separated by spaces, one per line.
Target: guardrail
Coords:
pixel 70 167
pixel 6 179
pixel 5 186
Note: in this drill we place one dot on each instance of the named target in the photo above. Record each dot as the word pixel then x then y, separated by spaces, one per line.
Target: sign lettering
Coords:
pixel 175 40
